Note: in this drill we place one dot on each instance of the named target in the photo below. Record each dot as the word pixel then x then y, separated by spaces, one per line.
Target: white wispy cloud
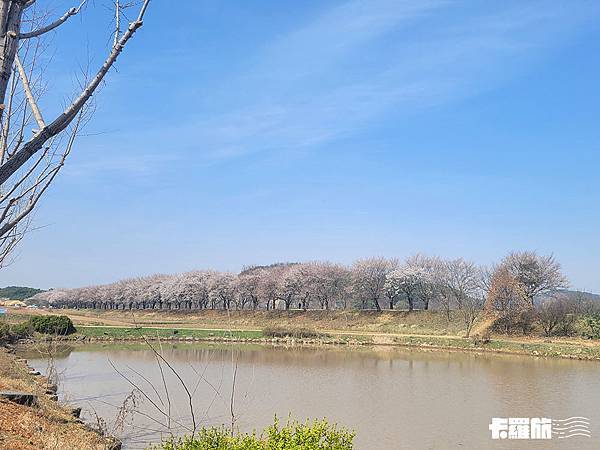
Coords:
pixel 357 63
pixel 337 33
pixel 131 164
pixel 303 97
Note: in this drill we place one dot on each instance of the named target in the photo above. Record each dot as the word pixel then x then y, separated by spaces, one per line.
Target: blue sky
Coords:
pixel 238 133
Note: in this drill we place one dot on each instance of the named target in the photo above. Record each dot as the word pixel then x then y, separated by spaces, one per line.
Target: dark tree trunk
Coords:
pixel 376 304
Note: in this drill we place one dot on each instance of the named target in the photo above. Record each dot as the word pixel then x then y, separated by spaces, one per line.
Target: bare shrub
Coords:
pixel 298 333
pixel 557 316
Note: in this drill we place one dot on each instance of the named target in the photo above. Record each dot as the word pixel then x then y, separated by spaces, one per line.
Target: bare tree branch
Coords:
pixel 32 162
pixel 61 122
pixel 27 88
pixel 43 181
pixel 117 22
pixel 70 13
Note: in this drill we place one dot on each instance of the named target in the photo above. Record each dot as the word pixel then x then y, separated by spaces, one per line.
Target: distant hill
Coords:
pixel 572 295
pixel 18 292
pixel 249 269
pixel 582 294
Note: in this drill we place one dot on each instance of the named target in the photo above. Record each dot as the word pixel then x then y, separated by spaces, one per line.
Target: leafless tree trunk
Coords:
pixel 33 150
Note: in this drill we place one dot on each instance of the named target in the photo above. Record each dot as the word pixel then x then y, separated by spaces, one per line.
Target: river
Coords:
pixel 393 398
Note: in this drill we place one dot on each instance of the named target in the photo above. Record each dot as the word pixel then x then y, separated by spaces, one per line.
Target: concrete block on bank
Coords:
pixel 22 398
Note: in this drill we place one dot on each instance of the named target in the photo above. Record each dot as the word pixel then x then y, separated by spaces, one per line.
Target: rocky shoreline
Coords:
pixel 31 417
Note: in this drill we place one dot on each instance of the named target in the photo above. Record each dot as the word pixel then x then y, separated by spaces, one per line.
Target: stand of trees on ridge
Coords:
pixel 513 288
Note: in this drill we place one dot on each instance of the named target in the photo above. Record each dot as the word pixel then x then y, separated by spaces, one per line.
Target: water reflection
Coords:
pixel 393 398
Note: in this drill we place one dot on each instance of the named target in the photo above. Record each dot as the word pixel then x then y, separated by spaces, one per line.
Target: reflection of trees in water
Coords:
pixel 41 350
pixel 273 355
pixel 279 355
pixel 350 385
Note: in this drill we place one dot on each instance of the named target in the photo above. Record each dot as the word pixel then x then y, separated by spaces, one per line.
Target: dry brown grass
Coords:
pixel 298 333
pixel 45 426
pixel 372 324
pixel 416 322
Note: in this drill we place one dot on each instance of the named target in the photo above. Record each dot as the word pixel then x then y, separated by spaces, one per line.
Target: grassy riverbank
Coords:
pixel 573 349
pixel 164 333
pixel 419 329
pixel 49 425
pixel 416 322
pixel 46 424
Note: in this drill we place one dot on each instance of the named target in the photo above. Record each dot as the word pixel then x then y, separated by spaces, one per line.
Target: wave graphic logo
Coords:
pixel 571 427
pixel 536 428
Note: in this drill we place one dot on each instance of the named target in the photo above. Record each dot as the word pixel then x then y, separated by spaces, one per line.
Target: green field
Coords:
pixel 542 349
pixel 178 333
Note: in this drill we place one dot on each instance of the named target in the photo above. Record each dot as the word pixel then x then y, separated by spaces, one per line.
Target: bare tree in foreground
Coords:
pixel 34 147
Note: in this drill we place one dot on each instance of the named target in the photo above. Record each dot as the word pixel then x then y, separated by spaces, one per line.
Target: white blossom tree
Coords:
pixel 369 277
pixel 455 285
pixel 328 283
pixel 222 288
pixel 430 268
pixel 248 288
pixel 405 281
pixel 290 285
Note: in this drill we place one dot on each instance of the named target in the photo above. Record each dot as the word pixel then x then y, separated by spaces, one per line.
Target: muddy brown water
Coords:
pixel 393 398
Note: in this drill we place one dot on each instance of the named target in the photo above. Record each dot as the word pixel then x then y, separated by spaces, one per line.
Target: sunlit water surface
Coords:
pixel 393 398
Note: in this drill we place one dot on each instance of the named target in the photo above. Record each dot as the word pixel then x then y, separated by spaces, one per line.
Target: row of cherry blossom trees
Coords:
pixel 419 282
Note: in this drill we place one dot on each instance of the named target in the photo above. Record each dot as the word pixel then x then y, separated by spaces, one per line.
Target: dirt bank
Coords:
pixel 46 425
